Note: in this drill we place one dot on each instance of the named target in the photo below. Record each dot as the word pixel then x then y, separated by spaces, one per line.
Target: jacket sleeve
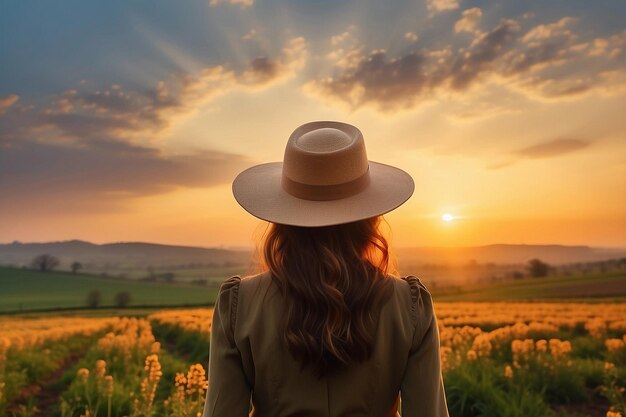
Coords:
pixel 422 389
pixel 228 392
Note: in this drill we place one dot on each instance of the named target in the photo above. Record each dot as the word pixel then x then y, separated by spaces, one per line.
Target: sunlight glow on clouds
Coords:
pixel 102 135
pixel 170 100
pixel 544 61
pixel 469 20
pixel 435 6
pixel 548 149
pixel 8 101
pixel 242 3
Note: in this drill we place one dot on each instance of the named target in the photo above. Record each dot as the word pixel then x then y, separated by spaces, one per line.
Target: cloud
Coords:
pixel 469 20
pixel 547 61
pixel 376 79
pixel 116 113
pixel 411 36
pixel 436 6
pixel 480 57
pixel 264 71
pixel 500 165
pixel 90 145
pixel 244 4
pixel 346 52
pixel 544 45
pixel 95 171
pixel 393 83
pixel 475 108
pixel 549 149
pixel 550 30
pixel 251 34
pixel 7 102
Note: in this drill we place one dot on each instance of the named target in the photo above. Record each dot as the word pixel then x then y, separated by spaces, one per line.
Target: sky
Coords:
pixel 128 120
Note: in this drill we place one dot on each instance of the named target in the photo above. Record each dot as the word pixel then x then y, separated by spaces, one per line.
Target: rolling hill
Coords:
pixel 140 255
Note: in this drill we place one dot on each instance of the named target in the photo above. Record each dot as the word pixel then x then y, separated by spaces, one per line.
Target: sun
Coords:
pixel 447 217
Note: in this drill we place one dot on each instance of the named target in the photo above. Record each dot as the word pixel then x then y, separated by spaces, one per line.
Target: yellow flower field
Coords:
pixel 538 359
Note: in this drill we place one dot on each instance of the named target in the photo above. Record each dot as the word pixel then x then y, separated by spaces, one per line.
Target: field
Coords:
pixel 213 275
pixel 552 347
pixel 28 290
pixel 500 359
pixel 590 286
pixel 24 289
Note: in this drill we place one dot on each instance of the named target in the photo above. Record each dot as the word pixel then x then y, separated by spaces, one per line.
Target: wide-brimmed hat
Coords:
pixel 324 179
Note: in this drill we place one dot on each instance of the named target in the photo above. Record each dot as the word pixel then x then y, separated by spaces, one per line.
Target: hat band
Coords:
pixel 326 192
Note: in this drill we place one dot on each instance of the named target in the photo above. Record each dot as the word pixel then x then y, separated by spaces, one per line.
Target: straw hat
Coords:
pixel 324 179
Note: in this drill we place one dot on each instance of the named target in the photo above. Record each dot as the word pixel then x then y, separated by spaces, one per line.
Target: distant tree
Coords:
pixel 94 298
pixel 472 263
pixel 538 268
pixel 76 266
pixel 45 262
pixel 123 299
pixel 169 277
pixel 517 274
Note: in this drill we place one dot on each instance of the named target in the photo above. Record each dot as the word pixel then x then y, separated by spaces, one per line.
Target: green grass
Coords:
pixel 610 286
pixel 27 290
pixel 216 274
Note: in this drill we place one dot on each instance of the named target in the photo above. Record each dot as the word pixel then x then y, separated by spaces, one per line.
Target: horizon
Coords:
pixel 252 247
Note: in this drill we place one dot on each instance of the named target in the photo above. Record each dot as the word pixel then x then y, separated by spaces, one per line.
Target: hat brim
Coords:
pixel 258 190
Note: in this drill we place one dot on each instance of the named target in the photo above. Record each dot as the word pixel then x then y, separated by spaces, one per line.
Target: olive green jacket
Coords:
pixel 250 369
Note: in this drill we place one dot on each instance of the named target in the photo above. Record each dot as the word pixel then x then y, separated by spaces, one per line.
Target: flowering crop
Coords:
pixel 195 320
pixel 18 333
pixel 531 356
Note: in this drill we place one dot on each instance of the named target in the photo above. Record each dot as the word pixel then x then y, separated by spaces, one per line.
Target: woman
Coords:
pixel 325 330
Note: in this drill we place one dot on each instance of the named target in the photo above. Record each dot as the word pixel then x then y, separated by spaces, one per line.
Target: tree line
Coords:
pixel 122 299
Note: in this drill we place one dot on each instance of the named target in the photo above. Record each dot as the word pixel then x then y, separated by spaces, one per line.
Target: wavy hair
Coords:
pixel 336 278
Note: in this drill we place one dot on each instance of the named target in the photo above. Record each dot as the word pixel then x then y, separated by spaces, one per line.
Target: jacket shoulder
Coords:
pixel 253 283
pixel 421 300
pixel 226 304
pixel 231 283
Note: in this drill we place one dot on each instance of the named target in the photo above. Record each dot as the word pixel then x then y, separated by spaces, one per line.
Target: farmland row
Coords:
pixel 111 367
pixel 539 359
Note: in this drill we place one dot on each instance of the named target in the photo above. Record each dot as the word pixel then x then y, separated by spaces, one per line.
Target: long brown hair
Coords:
pixel 335 278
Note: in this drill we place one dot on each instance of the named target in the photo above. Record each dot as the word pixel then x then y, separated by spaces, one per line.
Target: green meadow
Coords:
pixel 588 287
pixel 28 290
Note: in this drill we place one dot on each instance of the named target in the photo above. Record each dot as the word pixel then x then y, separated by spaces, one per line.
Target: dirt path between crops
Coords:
pixel 595 408
pixel 45 394
pixel 173 350
pixel 167 342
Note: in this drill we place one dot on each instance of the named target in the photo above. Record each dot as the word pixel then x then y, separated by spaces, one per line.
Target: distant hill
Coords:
pixel 507 254
pixel 139 255
pixel 123 255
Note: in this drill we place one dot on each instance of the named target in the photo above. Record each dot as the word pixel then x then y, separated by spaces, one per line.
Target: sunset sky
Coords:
pixel 128 120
